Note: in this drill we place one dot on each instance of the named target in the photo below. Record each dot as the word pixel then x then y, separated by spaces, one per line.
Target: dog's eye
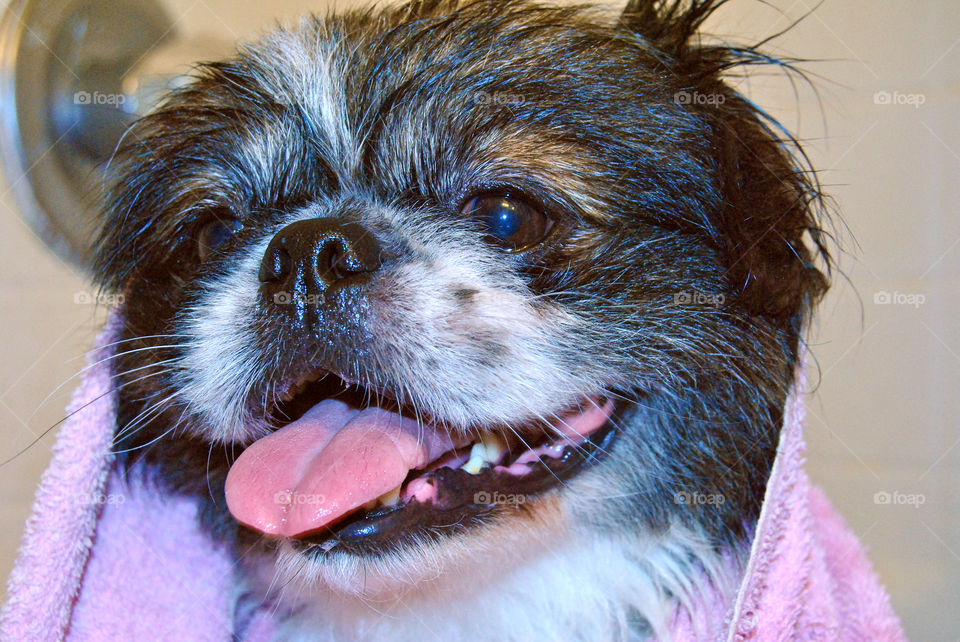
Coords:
pixel 509 222
pixel 215 233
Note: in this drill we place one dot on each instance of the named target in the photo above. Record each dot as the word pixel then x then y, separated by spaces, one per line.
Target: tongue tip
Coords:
pixel 256 516
pixel 278 517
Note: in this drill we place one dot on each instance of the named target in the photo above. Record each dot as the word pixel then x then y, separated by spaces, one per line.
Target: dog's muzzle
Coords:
pixel 356 467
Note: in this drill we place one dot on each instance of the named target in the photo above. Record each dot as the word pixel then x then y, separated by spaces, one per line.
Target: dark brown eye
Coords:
pixel 509 222
pixel 215 233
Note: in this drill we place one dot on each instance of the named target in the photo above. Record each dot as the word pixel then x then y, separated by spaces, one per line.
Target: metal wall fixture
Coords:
pixel 74 74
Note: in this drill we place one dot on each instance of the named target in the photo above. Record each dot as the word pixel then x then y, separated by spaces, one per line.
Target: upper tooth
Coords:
pixel 476 461
pixel 487 451
pixel 494 446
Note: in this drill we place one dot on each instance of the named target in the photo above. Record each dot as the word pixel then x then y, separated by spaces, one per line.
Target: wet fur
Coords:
pixel 385 117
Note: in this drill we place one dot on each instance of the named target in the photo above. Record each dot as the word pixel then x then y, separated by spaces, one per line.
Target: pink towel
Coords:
pixel 110 558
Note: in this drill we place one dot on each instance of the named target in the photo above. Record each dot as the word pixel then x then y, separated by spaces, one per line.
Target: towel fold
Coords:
pixel 110 557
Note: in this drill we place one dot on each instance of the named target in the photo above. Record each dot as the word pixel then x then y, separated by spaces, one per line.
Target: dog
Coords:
pixel 466 318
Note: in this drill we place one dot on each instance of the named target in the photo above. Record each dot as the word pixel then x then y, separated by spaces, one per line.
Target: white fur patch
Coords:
pixel 541 584
pixel 304 67
pixel 220 364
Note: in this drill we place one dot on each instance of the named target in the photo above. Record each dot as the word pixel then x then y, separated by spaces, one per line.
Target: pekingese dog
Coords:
pixel 466 319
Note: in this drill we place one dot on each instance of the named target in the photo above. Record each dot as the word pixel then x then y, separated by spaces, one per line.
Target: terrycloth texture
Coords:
pixel 107 558
pixel 807 578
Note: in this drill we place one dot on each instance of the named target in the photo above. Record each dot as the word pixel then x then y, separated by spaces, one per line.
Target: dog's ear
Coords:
pixel 769 199
pixel 768 221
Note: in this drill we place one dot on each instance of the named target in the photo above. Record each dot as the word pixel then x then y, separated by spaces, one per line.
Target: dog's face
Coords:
pixel 450 274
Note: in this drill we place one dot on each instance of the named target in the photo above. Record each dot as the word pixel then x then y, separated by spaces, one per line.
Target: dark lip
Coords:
pixel 455 509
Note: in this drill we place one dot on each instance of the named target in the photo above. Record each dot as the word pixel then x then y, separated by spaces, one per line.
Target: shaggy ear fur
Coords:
pixel 770 199
pixel 768 207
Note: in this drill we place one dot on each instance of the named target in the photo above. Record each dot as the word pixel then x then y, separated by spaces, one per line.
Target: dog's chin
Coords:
pixel 427 567
pixel 354 480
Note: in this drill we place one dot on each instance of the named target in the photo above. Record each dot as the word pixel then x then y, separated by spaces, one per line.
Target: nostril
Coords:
pixel 334 260
pixel 277 265
pixel 342 256
pixel 338 266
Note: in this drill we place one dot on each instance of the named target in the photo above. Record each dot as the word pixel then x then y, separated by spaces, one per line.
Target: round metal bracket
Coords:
pixel 65 103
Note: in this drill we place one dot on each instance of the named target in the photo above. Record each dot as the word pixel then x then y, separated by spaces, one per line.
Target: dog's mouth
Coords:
pixel 351 470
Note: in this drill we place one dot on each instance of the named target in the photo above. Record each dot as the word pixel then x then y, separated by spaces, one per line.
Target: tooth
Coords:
pixel 494 446
pixel 487 451
pixel 477 459
pixel 389 498
pixel 328 544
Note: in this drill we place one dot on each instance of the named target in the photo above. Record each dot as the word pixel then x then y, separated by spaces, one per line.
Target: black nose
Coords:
pixel 314 255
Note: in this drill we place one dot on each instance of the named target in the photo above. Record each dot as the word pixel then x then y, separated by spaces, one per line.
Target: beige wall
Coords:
pixel 885 415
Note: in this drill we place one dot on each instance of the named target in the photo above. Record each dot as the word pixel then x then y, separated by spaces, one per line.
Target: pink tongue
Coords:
pixel 324 465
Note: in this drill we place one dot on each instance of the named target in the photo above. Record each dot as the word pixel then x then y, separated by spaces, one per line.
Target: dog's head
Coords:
pixel 454 270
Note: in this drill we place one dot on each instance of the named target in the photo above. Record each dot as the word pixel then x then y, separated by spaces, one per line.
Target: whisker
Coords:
pixel 106 346
pixel 71 378
pixel 140 421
